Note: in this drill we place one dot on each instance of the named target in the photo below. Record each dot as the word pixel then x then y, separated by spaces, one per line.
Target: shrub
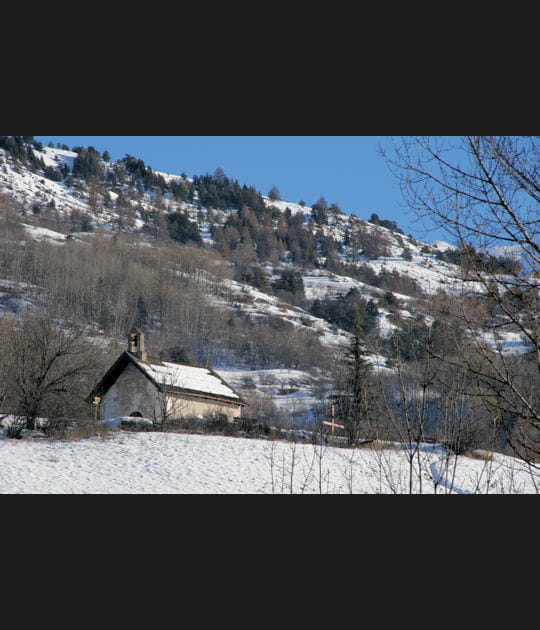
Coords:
pixel 14 431
pixel 137 424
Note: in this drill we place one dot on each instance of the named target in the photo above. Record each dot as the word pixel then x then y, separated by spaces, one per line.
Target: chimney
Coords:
pixel 136 344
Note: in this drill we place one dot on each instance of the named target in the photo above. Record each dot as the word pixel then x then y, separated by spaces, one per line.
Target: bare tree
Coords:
pixel 484 191
pixel 44 369
pixel 406 406
pixel 166 406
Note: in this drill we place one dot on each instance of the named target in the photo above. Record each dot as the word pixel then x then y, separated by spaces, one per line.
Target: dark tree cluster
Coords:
pixel 183 230
pixel 396 282
pixel 254 276
pixel 321 211
pixel 349 312
pixel 355 398
pixel 87 164
pixel 18 146
pixel 219 192
pixel 269 233
pixel 385 223
pixel 290 281
pixel 56 174
pixel 144 175
pixel 148 179
pixel 470 258
pixel 22 148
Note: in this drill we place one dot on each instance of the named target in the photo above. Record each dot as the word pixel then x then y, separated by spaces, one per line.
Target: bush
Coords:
pixel 466 440
pixel 73 430
pixel 219 423
pixel 14 431
pixel 57 428
pixel 137 424
pixel 53 174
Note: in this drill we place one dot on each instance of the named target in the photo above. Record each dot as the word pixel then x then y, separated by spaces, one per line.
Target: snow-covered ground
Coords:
pixel 291 391
pixel 40 233
pixel 258 304
pixel 170 463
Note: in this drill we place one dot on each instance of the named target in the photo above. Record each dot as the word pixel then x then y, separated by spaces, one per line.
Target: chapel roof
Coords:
pixel 172 377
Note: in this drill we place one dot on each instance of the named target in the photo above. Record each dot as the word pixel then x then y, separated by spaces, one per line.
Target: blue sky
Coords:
pixel 347 170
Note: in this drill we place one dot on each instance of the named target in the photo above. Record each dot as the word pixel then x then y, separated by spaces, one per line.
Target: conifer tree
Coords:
pixel 319 211
pixel 274 194
pixel 178 354
pixel 291 281
pixel 355 398
pixel 219 174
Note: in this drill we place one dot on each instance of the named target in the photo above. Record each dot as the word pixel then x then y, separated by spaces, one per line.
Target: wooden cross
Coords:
pixel 95 402
pixel 332 424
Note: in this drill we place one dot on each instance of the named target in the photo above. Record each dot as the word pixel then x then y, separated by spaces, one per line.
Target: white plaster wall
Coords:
pixel 192 408
pixel 131 392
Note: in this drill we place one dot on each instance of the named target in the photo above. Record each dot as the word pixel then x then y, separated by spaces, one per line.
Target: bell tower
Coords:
pixel 136 343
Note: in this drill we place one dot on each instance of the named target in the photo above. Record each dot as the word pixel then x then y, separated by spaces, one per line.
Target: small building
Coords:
pixel 136 385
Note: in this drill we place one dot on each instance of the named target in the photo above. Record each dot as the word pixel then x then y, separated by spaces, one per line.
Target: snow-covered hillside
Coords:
pixel 406 257
pixel 169 463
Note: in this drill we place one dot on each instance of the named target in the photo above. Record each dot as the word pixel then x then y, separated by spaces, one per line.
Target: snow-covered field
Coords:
pixel 171 463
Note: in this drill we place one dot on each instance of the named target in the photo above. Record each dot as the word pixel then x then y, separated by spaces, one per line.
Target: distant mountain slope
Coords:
pixel 295 273
pixel 76 208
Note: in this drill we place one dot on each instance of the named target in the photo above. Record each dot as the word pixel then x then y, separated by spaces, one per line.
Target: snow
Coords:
pixel 186 376
pixel 321 284
pixel 289 390
pixel 506 342
pixel 442 246
pixel 28 188
pixel 173 463
pixel 41 233
pixel 258 304
pixel 54 157
pixel 283 205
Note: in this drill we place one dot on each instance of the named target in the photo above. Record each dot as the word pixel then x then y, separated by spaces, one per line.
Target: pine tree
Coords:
pixel 141 317
pixel 291 281
pixel 319 211
pixel 179 355
pixel 183 230
pixel 356 398
pixel 219 174
pixel 274 194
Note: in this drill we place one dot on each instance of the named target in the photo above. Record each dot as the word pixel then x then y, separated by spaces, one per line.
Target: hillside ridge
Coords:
pixel 289 282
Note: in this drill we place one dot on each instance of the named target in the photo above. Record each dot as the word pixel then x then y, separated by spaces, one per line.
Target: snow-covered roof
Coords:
pixel 175 376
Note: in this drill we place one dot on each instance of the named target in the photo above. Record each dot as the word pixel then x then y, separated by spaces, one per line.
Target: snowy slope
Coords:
pixel 162 463
pixel 429 273
pixel 258 304
pixel 28 188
